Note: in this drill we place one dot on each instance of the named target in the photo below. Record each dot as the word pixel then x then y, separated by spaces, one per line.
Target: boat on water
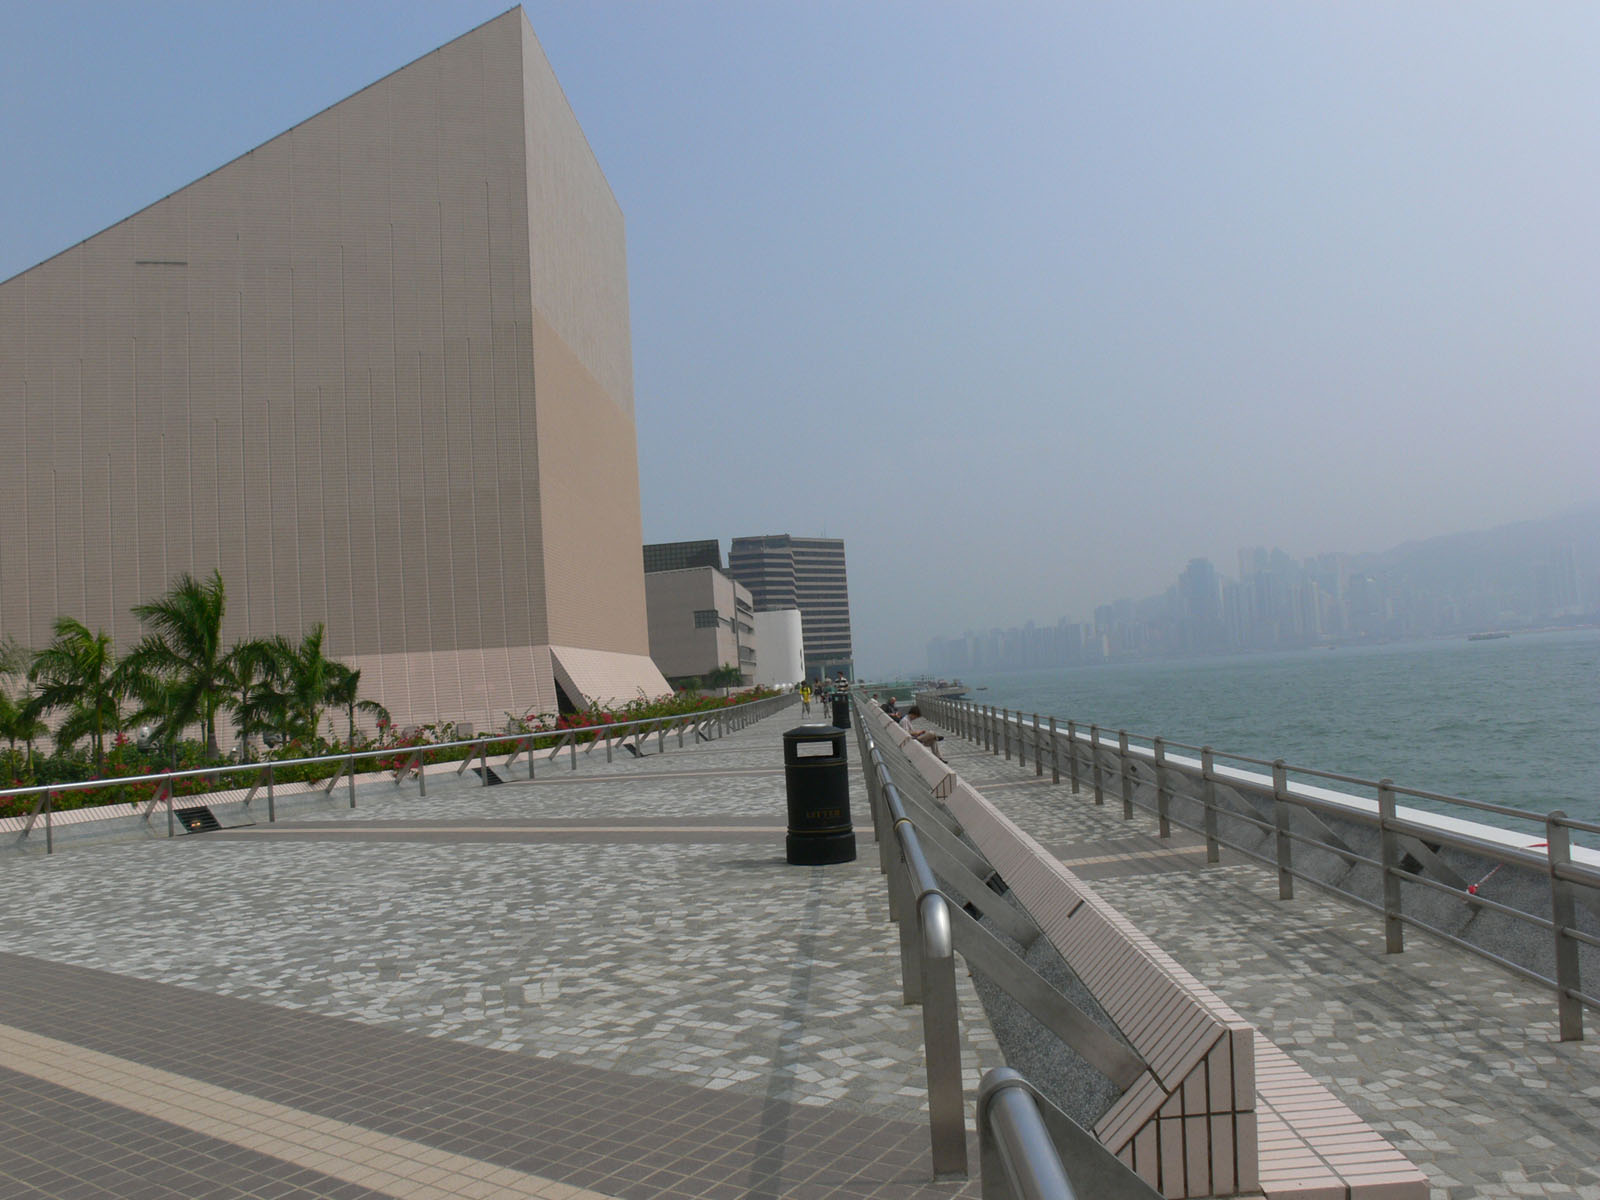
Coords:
pixel 1486 637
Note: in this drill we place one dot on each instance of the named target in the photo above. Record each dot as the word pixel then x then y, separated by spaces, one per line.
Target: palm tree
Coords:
pixel 14 657
pixel 344 690
pixel 258 696
pixel 19 716
pixel 19 722
pixel 29 727
pixel 77 671
pixel 284 686
pixel 9 711
pixel 307 674
pixel 281 686
pixel 181 671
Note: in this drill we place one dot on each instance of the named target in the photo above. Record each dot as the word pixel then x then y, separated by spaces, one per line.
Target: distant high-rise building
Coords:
pixel 805 573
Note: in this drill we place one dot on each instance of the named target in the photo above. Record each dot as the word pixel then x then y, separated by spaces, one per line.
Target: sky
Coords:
pixel 1030 303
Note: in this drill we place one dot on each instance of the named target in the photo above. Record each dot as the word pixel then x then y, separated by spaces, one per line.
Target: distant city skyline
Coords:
pixel 1543 573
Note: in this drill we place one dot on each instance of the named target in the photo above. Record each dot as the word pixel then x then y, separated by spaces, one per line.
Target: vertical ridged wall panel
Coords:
pixel 314 369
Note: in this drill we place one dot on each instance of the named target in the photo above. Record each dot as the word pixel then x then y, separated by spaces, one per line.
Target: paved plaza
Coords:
pixel 607 982
pixel 602 982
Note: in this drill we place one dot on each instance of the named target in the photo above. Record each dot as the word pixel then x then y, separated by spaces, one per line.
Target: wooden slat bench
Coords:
pixel 1220 1110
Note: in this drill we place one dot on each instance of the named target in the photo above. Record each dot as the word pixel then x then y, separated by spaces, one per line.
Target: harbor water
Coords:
pixel 1512 720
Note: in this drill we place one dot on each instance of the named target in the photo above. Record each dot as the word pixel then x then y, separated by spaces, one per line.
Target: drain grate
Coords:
pixel 488 774
pixel 198 819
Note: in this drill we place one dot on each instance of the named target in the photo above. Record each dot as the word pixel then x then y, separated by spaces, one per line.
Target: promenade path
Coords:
pixel 604 982
pixel 1455 1061
pixel 607 983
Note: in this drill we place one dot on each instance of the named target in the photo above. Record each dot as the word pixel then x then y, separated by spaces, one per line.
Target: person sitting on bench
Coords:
pixel 925 737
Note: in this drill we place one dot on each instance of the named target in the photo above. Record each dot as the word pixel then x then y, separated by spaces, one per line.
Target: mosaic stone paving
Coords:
pixel 1454 1060
pixel 713 963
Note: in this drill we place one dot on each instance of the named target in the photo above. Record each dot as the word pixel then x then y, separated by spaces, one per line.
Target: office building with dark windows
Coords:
pixel 782 572
pixel 679 556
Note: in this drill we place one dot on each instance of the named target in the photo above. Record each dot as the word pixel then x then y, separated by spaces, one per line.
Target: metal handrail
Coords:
pixel 1020 1155
pixel 1153 740
pixel 726 719
pixel 928 965
pixel 1112 765
pixel 1012 1136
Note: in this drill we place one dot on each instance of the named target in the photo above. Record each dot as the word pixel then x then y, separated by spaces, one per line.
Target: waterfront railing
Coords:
pixel 400 761
pixel 1427 870
pixel 1021 1133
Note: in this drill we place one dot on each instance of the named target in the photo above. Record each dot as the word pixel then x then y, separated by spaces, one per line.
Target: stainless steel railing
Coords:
pixel 1220 797
pixel 1017 1160
pixel 1021 1134
pixel 927 956
pixel 703 726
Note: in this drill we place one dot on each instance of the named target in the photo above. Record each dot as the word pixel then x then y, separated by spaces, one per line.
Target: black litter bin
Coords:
pixel 816 779
pixel 841 711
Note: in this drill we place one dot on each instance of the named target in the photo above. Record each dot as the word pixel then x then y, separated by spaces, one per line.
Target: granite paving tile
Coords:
pixel 760 998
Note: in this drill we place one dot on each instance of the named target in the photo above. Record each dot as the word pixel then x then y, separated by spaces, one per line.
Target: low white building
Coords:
pixel 780 648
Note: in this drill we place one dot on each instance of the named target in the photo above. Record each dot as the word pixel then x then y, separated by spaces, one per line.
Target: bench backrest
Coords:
pixel 1188 1125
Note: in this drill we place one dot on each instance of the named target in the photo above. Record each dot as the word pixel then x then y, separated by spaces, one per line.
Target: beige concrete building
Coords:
pixel 377 371
pixel 700 620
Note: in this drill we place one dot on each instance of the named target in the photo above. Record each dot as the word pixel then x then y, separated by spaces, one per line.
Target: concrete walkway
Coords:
pixel 607 983
pixel 601 983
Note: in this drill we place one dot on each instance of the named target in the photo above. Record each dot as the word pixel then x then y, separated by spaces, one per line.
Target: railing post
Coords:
pixel 1038 757
pixel 1124 769
pixel 352 781
pixel 49 825
pixel 168 786
pixel 904 911
pixel 1163 797
pixel 422 772
pixel 483 760
pixel 1005 731
pixel 941 1037
pixel 1055 754
pixel 1072 754
pixel 1285 844
pixel 272 806
pixel 994 731
pixel 1094 761
pixel 1022 741
pixel 1389 855
pixel 1208 797
pixel 1564 917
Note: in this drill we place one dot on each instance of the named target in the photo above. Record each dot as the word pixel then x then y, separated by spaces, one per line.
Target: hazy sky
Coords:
pixel 1030 303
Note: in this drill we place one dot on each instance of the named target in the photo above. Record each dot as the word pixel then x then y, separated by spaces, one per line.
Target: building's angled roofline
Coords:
pixel 567 100
pixel 285 132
